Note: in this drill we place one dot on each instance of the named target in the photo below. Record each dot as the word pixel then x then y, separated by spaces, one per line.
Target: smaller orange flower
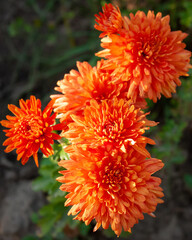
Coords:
pixel 110 21
pixel 79 87
pixel 113 123
pixel 30 129
pixel 114 189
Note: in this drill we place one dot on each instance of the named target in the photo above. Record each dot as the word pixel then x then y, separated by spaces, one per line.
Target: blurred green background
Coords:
pixel 40 41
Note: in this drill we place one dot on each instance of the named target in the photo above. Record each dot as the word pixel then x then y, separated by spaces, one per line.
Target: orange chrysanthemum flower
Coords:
pixel 146 54
pixel 30 129
pixel 112 123
pixel 110 21
pixel 79 87
pixel 112 189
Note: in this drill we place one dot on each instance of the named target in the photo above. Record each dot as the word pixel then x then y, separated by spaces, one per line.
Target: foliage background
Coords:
pixel 40 41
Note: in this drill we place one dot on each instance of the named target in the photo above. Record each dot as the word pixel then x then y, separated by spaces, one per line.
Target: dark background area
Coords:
pixel 40 41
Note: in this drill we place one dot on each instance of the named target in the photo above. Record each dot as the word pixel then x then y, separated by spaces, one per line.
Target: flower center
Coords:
pixel 148 50
pixel 30 127
pixel 111 130
pixel 112 177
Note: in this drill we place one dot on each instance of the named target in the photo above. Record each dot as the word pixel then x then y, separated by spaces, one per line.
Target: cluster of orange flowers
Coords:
pixel 109 174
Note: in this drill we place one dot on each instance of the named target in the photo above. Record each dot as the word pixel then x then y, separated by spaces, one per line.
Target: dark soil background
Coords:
pixel 40 40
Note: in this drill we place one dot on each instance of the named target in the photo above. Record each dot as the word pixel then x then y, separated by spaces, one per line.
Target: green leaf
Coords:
pixel 179 157
pixel 42 183
pixel 19 26
pixel 109 233
pixel 58 198
pixel 47 223
pixel 188 180
pixel 47 209
pixel 34 217
pixel 30 238
pixel 84 230
pixel 59 153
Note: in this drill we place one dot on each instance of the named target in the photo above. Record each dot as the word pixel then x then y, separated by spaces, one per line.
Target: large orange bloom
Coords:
pixel 79 87
pixel 112 189
pixel 146 54
pixel 30 129
pixel 114 123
